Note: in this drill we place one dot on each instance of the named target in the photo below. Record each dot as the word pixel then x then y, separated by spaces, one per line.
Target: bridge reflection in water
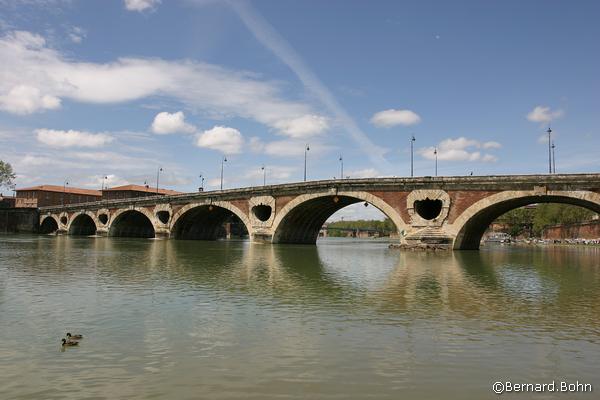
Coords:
pixel 349 316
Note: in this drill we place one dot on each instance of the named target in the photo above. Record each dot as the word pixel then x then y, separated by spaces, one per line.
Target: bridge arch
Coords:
pixel 84 223
pixel 48 224
pixel 203 220
pixel 470 226
pixel 300 220
pixel 130 222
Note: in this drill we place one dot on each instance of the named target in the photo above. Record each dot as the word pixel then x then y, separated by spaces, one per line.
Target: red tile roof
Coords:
pixel 61 189
pixel 140 188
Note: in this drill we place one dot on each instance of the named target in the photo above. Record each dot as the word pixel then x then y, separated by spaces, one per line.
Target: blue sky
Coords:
pixel 120 88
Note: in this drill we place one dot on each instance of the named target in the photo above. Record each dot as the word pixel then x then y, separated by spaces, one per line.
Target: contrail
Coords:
pixel 270 38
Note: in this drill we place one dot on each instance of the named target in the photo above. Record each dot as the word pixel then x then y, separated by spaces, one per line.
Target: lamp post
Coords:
pixel 64 190
pixel 264 171
pixel 201 183
pixel 435 154
pixel 549 131
pixel 412 141
pixel 158 171
pixel 223 161
pixel 306 149
pixel 341 167
pixel 553 159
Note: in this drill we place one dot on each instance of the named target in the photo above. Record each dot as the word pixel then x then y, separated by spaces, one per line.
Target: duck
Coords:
pixel 66 342
pixel 74 337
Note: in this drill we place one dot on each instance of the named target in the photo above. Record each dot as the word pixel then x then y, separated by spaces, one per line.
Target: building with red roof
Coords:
pixel 52 195
pixel 132 191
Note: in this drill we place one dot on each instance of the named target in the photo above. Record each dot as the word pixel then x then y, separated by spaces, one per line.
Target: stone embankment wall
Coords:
pixel 19 220
pixel 584 230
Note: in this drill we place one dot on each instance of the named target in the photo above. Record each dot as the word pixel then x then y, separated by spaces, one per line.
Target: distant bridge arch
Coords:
pixel 300 220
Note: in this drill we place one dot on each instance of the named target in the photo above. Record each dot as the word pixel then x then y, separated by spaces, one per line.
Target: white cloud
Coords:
pixel 357 211
pixel 216 182
pixel 24 99
pixel 489 158
pixel 460 149
pixel 275 173
pixel 364 173
pixel 72 138
pixel 544 114
pixel 491 145
pixel 389 118
pixel 256 145
pixel 36 77
pixel 77 34
pixel 303 127
pixel 226 140
pixel 272 40
pixel 165 123
pixel 284 148
pixel 294 148
pixel 99 181
pixel 141 5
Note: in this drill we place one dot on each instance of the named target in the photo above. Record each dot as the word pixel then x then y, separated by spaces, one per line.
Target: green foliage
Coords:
pixel 386 226
pixel 520 219
pixel 552 214
pixel 6 175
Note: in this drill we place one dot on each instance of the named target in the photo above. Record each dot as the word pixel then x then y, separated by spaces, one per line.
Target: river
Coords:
pixel 346 319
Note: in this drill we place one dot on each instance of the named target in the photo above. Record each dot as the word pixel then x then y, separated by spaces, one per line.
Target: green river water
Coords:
pixel 346 319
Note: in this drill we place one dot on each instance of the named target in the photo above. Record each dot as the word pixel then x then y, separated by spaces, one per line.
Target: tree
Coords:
pixel 6 175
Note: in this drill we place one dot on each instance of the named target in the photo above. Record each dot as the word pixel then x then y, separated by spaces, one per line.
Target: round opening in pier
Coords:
pixel 163 216
pixel 262 212
pixel 103 218
pixel 48 225
pixel 428 209
pixel 63 220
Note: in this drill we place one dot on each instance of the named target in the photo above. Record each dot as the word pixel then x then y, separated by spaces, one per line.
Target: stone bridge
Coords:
pixel 444 210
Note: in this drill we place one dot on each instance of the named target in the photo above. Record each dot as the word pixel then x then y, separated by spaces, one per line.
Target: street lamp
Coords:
pixel 158 171
pixel 412 141
pixel 264 170
pixel 549 131
pixel 201 183
pixel 435 154
pixel 306 149
pixel 341 167
pixel 553 159
pixel 223 161
pixel 64 190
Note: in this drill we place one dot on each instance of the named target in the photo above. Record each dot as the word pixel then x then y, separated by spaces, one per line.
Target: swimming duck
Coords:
pixel 66 342
pixel 73 337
